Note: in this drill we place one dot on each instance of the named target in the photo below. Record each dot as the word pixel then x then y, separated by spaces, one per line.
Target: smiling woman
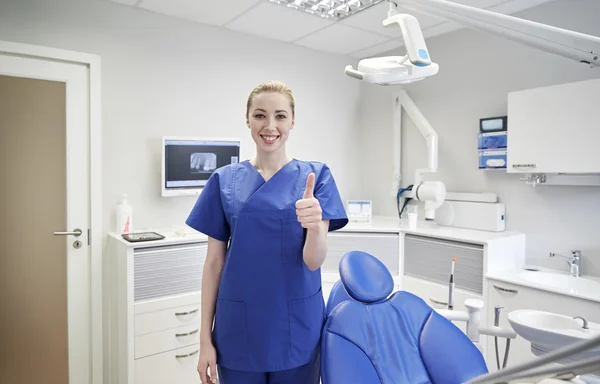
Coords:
pixel 267 221
pixel 270 116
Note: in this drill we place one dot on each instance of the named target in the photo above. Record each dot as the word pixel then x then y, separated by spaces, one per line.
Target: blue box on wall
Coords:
pixel 492 140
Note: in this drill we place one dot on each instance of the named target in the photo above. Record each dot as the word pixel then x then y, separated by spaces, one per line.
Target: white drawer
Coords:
pixel 178 366
pixel 163 341
pixel 150 322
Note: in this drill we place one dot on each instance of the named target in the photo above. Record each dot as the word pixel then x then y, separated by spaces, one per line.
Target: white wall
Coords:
pixel 476 73
pixel 162 76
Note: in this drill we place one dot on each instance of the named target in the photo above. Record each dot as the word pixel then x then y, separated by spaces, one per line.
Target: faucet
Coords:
pixel 585 322
pixel 574 262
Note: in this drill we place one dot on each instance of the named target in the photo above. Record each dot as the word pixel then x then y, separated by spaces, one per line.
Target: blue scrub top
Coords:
pixel 270 310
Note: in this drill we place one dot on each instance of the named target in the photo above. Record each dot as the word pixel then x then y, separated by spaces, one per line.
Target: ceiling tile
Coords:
pixel 203 11
pixel 379 49
pixel 125 2
pixel 274 21
pixel 342 39
pixel 371 19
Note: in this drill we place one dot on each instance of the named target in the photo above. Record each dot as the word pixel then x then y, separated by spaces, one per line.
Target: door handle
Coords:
pixel 75 232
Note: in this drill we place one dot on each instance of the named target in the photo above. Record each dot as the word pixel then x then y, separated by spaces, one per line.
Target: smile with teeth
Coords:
pixel 269 139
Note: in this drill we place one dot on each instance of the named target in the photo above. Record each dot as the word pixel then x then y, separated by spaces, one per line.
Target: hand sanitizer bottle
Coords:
pixel 124 216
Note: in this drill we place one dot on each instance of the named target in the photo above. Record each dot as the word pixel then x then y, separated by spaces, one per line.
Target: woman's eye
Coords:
pixel 259 115
pixel 281 116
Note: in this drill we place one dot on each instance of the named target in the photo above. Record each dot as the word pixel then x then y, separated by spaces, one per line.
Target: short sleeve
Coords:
pixel 208 215
pixel 327 193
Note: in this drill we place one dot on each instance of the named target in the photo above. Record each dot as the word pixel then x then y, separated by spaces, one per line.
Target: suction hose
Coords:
pixel 507 348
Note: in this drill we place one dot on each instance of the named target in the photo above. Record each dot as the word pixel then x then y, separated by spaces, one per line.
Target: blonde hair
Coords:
pixel 271 86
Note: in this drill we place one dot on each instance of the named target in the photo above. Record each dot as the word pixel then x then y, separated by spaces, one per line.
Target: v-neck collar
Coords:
pixel 262 178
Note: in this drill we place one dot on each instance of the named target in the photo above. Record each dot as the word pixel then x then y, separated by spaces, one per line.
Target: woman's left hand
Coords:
pixel 308 209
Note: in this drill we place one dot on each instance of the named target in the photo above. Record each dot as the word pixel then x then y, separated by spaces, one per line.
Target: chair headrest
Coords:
pixel 365 277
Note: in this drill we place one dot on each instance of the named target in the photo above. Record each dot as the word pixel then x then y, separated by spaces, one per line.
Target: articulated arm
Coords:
pixel 572 45
pixel 432 193
pixel 417 65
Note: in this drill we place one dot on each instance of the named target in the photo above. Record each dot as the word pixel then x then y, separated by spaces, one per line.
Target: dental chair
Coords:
pixel 371 337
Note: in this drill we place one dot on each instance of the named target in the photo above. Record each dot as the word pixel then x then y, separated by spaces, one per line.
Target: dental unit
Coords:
pixel 396 337
pixel 373 335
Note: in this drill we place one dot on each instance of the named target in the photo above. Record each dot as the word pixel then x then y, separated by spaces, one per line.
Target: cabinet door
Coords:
pixel 553 129
pixel 167 271
pixel 512 297
pixel 177 366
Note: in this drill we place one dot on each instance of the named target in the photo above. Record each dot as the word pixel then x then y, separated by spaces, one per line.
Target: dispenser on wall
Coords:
pixel 492 142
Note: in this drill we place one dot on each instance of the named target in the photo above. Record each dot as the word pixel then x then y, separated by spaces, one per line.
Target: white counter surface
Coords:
pixel 170 238
pixel 550 280
pixel 425 228
pixel 379 224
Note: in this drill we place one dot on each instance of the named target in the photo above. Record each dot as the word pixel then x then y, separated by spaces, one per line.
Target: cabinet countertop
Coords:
pixel 385 224
pixel 379 224
pixel 585 287
pixel 170 238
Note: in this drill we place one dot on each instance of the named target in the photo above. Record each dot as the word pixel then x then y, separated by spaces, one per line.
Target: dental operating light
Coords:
pixel 417 65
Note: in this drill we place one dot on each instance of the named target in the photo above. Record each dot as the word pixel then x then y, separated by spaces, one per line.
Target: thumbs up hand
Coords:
pixel 308 208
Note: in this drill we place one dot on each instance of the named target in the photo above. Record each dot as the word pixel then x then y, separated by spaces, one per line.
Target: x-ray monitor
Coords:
pixel 187 163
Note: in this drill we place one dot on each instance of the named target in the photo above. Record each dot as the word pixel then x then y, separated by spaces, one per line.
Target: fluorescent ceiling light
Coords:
pixel 329 9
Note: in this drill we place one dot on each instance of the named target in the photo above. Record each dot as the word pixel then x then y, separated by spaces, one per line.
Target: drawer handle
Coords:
pixel 187 354
pixel 186 313
pixel 187 334
pixel 506 289
pixel 437 302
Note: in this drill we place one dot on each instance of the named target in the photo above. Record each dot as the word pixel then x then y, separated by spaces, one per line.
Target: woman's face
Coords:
pixel 270 121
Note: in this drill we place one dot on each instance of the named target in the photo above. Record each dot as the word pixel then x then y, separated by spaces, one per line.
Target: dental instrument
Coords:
pixel 417 65
pixel 451 286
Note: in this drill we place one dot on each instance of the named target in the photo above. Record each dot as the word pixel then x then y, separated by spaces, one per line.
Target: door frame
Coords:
pixel 95 172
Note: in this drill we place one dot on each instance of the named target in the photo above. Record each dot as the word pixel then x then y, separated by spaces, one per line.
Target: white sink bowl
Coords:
pixel 549 331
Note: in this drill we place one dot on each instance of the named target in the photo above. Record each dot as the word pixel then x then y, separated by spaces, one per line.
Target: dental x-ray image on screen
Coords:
pixel 202 162
pixel 189 162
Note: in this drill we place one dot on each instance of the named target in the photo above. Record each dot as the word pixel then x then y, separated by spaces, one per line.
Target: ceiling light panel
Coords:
pixel 329 9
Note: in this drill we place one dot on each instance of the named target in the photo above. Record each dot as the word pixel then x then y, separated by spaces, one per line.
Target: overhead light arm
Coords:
pixel 572 45
pixel 417 65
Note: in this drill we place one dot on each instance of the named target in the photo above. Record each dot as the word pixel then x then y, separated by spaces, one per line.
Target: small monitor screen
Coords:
pixel 190 163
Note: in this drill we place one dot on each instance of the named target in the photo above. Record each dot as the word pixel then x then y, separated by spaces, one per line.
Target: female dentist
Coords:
pixel 267 221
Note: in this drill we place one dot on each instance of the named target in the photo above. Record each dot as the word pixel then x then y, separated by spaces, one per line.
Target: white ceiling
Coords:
pixel 361 35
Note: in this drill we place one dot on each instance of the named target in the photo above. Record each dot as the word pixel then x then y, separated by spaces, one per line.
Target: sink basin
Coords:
pixel 548 331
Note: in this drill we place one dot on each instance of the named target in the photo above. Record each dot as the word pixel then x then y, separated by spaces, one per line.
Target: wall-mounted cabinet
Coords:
pixel 555 129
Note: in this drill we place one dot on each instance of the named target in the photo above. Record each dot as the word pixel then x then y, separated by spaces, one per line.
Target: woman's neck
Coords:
pixel 270 162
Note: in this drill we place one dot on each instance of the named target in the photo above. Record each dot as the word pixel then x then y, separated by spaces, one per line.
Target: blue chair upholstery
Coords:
pixel 371 337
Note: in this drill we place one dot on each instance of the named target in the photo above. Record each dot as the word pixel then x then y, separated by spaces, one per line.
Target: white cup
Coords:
pixel 412 220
